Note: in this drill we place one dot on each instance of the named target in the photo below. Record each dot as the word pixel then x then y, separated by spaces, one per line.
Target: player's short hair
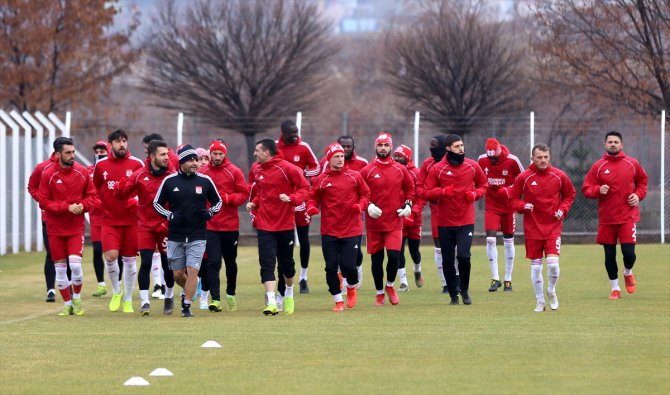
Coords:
pixel 269 145
pixel 540 147
pixel 153 146
pixel 346 137
pixel 614 133
pixel 286 125
pixel 60 142
pixel 153 136
pixel 116 135
pixel 451 138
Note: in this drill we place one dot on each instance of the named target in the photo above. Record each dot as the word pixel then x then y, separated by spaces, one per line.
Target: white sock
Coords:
pixel 289 292
pixel 144 296
pixel 303 274
pixel 61 276
pixel 204 296
pixel 380 292
pixel 615 284
pixel 279 299
pixel 156 268
pixel 129 276
pixel 169 293
pixel 102 283
pixel 509 257
pixel 536 279
pixel 627 272
pixel 438 263
pixel 389 284
pixel 113 271
pixel 360 275
pixel 338 298
pixel 417 268
pixel 553 272
pixel 77 272
pixel 402 273
pixel 492 254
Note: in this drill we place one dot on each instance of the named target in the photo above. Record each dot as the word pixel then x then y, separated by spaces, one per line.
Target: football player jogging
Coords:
pixel 186 194
pixel 223 231
pixel 100 151
pixel 278 188
pixel 456 182
pixel 299 153
pixel 544 195
pixel 152 229
pixel 340 195
pixel 500 168
pixel 438 149
pixel 391 196
pixel 65 194
pixel 619 183
pixel 411 230
pixel 119 219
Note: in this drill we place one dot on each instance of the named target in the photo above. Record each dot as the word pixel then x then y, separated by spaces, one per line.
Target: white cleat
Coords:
pixel 553 301
pixel 403 288
pixel 204 305
pixel 540 307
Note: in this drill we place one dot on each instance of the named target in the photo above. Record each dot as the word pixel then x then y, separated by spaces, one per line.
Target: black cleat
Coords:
pixel 495 284
pixel 466 297
pixel 145 309
pixel 168 307
pixel 445 289
pixel 186 311
pixel 51 297
pixel 454 300
pixel 304 289
pixel 508 286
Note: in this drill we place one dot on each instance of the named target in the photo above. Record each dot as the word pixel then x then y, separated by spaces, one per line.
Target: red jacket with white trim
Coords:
pixel 334 193
pixel 106 177
pixel 500 175
pixel 390 186
pixel 624 175
pixel 229 181
pixel 36 177
pixel 356 163
pixel 59 188
pixel 301 155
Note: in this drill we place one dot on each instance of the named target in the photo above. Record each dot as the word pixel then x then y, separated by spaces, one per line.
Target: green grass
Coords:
pixel 422 346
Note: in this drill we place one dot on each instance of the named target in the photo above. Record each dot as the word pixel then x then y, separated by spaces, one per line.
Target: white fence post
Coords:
pixel 417 117
pixel 15 179
pixel 532 132
pixel 39 151
pixel 180 128
pixel 27 169
pixel 298 122
pixel 3 189
pixel 663 177
pixel 50 127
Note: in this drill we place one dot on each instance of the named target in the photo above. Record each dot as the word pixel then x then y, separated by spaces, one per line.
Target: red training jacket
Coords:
pixel 36 177
pixel 500 175
pixel 301 155
pixel 625 176
pixel 229 181
pixel 108 172
pixel 548 191
pixel 356 163
pixel 390 186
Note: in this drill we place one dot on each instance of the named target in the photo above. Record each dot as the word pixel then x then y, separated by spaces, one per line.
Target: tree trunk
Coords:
pixel 250 138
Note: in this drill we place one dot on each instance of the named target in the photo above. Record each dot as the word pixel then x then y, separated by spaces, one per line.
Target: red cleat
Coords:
pixel 630 283
pixel 393 296
pixel 351 297
pixel 339 306
pixel 615 295
pixel 380 300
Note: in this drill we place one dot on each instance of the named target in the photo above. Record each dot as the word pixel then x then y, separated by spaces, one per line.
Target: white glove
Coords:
pixel 405 211
pixel 374 211
pixel 528 207
pixel 558 214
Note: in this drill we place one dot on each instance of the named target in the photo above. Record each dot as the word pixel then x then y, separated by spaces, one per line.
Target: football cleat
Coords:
pixel 630 283
pixel 495 284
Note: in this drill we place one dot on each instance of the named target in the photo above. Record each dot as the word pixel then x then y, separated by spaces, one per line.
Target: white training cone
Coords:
pixel 136 381
pixel 210 344
pixel 161 372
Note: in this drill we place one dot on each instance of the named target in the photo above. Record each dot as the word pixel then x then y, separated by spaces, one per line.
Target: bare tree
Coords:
pixel 456 66
pixel 238 63
pixel 57 54
pixel 614 50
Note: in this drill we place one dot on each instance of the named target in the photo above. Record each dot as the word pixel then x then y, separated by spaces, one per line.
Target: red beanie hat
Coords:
pixel 216 145
pixel 332 149
pixel 404 151
pixel 384 138
pixel 493 147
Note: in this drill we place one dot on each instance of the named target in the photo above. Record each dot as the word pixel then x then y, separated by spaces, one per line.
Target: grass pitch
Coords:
pixel 498 344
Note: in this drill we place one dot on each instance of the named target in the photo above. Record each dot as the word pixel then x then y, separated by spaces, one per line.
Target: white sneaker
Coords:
pixel 553 301
pixel 157 294
pixel 204 305
pixel 403 287
pixel 162 297
pixel 540 307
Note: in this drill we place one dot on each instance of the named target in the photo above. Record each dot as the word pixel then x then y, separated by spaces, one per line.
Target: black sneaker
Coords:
pixel 186 311
pixel 445 289
pixel 466 297
pixel 145 309
pixel 304 289
pixel 51 296
pixel 168 306
pixel 495 284
pixel 454 300
pixel 507 286
pixel 418 279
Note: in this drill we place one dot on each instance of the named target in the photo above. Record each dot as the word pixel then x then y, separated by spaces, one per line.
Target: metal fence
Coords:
pixel 575 143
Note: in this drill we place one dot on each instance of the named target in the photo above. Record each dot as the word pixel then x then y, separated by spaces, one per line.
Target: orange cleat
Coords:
pixel 616 294
pixel 339 306
pixel 630 283
pixel 380 300
pixel 351 297
pixel 393 296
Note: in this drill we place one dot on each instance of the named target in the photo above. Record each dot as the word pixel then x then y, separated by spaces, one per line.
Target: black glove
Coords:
pixel 206 214
pixel 176 217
